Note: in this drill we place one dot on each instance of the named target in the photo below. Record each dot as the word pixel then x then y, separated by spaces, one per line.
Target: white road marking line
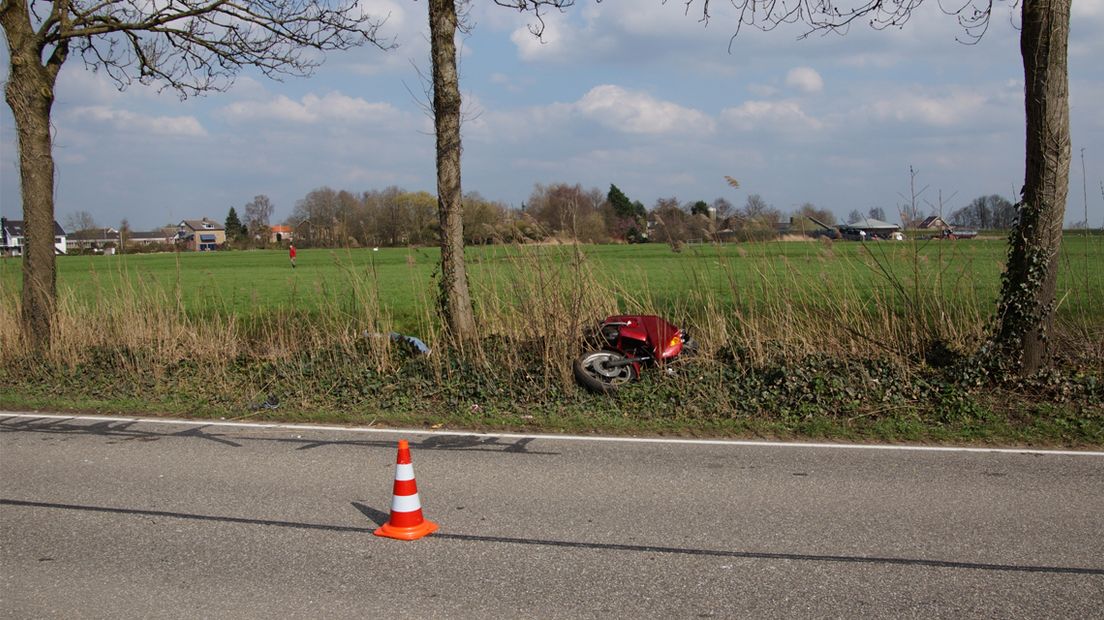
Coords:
pixel 656 440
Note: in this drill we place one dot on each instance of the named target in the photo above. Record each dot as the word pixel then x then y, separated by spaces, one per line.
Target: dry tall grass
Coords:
pixel 542 306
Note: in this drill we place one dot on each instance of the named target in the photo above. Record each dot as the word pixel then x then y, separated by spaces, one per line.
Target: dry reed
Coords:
pixel 541 307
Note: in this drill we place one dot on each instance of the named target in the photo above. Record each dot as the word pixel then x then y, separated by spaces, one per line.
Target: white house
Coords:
pixel 12 238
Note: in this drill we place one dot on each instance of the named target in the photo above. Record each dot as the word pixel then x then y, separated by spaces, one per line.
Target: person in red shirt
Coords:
pixel 291 254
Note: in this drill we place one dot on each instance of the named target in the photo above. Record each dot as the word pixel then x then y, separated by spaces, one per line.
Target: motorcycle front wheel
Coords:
pixel 598 371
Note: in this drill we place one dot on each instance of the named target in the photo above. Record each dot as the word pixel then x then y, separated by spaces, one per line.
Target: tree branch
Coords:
pixel 537 7
pixel 194 46
pixel 837 16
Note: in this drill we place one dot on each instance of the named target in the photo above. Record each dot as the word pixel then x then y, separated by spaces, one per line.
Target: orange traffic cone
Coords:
pixel 406 522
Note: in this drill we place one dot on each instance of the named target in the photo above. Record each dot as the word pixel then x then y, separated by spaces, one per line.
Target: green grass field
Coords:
pixel 648 277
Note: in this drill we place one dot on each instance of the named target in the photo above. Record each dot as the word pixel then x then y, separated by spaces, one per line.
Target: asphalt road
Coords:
pixel 123 519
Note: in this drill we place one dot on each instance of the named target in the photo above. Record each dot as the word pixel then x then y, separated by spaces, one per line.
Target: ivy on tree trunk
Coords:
pixel 1027 303
pixel 455 300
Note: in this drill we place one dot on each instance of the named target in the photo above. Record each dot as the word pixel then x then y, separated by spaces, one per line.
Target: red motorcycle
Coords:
pixel 628 343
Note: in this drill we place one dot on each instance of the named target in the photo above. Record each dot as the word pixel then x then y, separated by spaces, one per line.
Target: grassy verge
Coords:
pixel 816 397
pixel 798 341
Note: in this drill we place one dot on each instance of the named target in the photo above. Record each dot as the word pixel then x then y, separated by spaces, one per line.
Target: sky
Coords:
pixel 636 93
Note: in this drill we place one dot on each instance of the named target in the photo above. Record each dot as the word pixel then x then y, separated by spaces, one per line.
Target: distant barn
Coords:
pixel 933 222
pixel 868 228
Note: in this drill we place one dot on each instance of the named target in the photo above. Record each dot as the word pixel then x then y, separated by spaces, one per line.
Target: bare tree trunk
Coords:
pixel 456 307
pixel 30 95
pixel 1026 309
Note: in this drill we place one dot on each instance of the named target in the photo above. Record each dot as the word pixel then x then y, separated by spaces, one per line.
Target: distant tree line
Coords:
pixel 874 213
pixel 326 217
pixel 396 217
pixel 986 212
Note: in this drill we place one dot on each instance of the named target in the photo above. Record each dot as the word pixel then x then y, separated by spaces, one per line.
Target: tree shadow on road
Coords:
pixel 138 430
pixel 379 517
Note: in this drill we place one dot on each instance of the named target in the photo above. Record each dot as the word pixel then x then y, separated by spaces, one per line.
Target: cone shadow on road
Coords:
pixel 378 517
pixel 374 514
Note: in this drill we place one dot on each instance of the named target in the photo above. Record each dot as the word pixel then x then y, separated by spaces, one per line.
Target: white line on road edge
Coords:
pixel 659 440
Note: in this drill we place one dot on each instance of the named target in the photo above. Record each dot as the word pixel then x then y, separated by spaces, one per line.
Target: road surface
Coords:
pixel 119 518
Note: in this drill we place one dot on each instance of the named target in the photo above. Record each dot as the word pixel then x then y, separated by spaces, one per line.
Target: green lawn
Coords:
pixel 650 277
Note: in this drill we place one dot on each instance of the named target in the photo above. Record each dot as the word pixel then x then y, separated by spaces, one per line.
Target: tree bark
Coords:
pixel 1026 308
pixel 30 95
pixel 455 300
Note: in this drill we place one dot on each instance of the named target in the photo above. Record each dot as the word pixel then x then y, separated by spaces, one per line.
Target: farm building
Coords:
pixel 870 228
pixel 281 233
pixel 200 235
pixel 12 238
pixel 933 222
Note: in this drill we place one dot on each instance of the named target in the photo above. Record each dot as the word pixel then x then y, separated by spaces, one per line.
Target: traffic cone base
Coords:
pixel 406 522
pixel 413 532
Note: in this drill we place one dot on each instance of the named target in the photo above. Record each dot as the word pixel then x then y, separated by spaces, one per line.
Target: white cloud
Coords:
pixel 393 14
pixel 281 108
pixel 311 109
pixel 405 27
pixel 945 111
pixel 612 107
pixel 640 113
pixel 1087 8
pixel 805 79
pixel 611 32
pixel 79 84
pixel 560 39
pixel 783 116
pixel 670 34
pixel 1086 23
pixel 511 84
pixel 131 122
pixel 519 125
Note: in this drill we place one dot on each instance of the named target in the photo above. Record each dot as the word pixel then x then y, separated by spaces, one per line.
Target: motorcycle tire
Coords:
pixel 690 347
pixel 593 373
